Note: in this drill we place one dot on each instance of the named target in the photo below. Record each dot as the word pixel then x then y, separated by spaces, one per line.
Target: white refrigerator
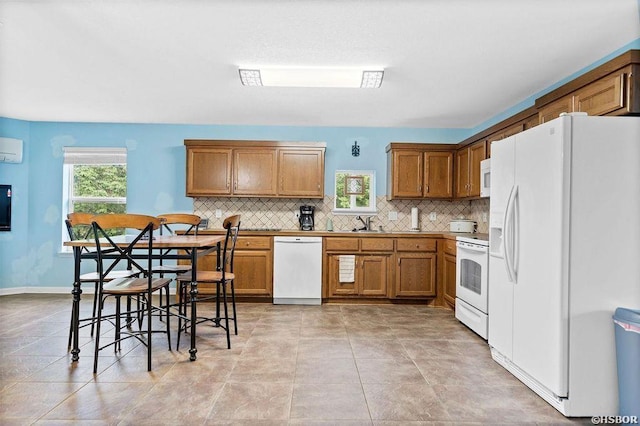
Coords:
pixel 564 252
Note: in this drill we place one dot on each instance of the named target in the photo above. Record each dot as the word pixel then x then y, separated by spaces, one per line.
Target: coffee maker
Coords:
pixel 306 218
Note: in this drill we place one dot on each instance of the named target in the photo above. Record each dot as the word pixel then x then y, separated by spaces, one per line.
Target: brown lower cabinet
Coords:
pixel 371 273
pixel 253 267
pixel 385 268
pixel 448 272
pixel 415 268
pixel 410 269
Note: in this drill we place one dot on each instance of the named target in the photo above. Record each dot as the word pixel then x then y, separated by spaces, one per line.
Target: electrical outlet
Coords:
pixel 218 213
pixel 296 214
pixel 433 216
pixel 393 215
pixel 485 218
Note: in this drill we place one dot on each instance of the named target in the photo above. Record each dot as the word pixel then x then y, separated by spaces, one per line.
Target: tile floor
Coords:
pixel 289 365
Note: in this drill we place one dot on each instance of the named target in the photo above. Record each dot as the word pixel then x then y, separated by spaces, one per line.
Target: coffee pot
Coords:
pixel 306 218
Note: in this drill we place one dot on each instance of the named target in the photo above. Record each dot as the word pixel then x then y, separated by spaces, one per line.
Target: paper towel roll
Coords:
pixel 414 218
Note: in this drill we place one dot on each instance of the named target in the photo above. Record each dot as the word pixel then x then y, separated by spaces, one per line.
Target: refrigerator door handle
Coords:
pixel 516 234
pixel 507 228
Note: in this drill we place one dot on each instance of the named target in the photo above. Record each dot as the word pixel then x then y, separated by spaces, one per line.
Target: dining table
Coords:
pixel 180 247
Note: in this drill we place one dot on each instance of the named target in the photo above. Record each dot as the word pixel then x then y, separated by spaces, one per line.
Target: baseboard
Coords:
pixel 52 290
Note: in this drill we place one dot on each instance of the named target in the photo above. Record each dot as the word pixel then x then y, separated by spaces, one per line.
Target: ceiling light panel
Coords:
pixel 311 77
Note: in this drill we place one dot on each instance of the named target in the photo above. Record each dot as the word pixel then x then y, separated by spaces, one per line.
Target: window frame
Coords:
pixel 354 210
pixel 89 156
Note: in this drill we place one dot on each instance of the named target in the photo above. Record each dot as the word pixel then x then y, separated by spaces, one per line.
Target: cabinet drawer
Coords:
pixel 253 243
pixel 340 244
pixel 416 244
pixel 450 247
pixel 376 244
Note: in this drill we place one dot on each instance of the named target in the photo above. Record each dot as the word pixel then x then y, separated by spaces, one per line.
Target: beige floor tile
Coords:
pixel 378 348
pixel 404 402
pixel 388 370
pixel 267 370
pixel 324 348
pixel 30 401
pixel 100 401
pixel 249 401
pixel 188 401
pixel 326 370
pixel 329 402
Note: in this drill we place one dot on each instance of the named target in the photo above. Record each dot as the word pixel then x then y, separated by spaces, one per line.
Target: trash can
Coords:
pixel 626 323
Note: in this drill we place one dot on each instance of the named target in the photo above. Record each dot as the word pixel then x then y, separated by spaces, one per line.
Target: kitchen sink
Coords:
pixel 367 231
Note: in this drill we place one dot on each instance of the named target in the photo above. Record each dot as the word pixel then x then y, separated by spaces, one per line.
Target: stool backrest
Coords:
pixel 232 225
pixel 169 220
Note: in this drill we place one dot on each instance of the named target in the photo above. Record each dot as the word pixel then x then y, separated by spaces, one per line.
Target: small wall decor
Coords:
pixel 355 149
pixel 354 185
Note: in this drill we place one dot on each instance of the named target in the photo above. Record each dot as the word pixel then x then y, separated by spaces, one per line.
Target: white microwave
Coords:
pixel 485 177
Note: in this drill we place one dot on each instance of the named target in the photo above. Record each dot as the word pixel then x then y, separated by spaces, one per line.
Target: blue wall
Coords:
pixel 29 254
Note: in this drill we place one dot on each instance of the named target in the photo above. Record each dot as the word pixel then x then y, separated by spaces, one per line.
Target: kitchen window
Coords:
pixel 94 181
pixel 355 191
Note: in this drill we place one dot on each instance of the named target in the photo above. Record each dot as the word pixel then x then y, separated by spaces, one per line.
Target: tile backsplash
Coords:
pixel 280 213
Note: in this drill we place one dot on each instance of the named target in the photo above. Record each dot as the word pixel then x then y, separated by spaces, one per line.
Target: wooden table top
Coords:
pixel 159 241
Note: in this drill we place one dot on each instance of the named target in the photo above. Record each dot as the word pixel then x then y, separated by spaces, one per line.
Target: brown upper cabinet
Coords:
pixel 255 169
pixel 208 171
pixel 468 169
pixel 301 172
pixel 419 171
pixel 610 89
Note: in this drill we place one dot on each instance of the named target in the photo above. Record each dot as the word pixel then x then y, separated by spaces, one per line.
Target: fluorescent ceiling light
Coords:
pixel 312 77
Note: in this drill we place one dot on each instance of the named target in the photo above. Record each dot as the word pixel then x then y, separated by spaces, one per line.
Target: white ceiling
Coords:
pixel 449 63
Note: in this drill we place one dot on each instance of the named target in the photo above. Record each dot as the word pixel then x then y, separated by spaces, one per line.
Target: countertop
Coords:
pixel 371 234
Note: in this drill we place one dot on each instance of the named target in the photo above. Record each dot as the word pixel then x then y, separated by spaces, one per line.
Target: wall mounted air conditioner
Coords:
pixel 10 150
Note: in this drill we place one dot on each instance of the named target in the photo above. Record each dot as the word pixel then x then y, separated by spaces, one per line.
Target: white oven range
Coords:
pixel 472 276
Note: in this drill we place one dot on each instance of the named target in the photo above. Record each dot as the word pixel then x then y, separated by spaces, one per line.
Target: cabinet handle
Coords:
pixel 427 188
pixel 228 183
pixel 398 261
pixel 235 185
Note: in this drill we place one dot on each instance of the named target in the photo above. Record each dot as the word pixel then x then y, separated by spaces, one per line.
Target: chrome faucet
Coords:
pixel 366 222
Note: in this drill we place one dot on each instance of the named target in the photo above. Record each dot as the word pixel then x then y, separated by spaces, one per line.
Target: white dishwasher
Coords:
pixel 297 270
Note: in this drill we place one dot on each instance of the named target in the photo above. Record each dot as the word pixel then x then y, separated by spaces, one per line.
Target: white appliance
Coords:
pixel 462 225
pixel 485 178
pixel 472 276
pixel 562 258
pixel 10 150
pixel 297 270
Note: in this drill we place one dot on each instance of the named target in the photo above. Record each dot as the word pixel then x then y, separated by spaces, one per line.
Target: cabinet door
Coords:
pixel 407 174
pixel 462 172
pixel 554 109
pixel 449 278
pixel 438 174
pixel 301 173
pixel 602 96
pixel 208 171
pixel 254 272
pixel 372 272
pixel 477 153
pixel 254 171
pixel 337 288
pixel 415 274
